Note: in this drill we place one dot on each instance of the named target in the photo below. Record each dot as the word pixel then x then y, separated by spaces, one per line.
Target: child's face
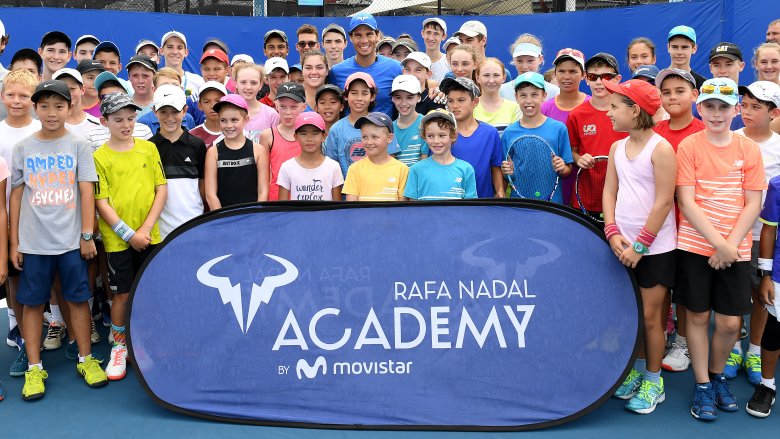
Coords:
pixel 109 61
pixel 289 109
pixel 52 111
pixel 385 50
pixel 275 46
pixel 681 50
pixel 314 72
pixel 569 74
pixel 55 56
pixel 461 104
pixel 206 103
pixel 141 79
pixel 405 102
pixel 334 45
pixel 89 84
pixel 597 88
pixel 527 63
pixel 530 100
pixel 768 65
pixel 16 98
pixel 438 139
pixel 296 76
pixel 120 124
pixel 26 64
pixel 640 55
pixel 375 140
pixel 276 78
pixel 163 80
pixel 84 51
pixel 170 119
pixel 433 35
pixel 149 51
pixel 677 96
pixel 400 53
pixel 491 76
pixel 174 51
pixel 716 115
pixel 462 64
pixel 330 106
pixel 76 90
pixel 232 121
pixel 214 70
pixel 416 69
pixel 359 97
pixel 108 89
pixel 310 138
pixel 248 84
pixel 621 115
pixel 722 67
pixel 756 114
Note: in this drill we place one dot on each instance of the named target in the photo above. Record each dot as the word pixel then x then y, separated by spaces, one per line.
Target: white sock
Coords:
pixel 755 350
pixel 30 366
pixel 738 347
pixel 11 319
pixel 768 382
pixel 81 359
pixel 681 340
pixel 90 301
pixel 110 303
pixel 56 315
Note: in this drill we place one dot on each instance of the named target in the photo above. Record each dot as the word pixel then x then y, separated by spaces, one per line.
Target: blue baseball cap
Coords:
pixel 646 71
pixel 106 46
pixel 362 19
pixel 532 78
pixel 105 77
pixel 723 89
pixel 682 31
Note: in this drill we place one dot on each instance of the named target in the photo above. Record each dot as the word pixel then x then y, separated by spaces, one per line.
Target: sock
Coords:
pixel 56 315
pixel 90 301
pixel 768 382
pixel 653 377
pixel 738 347
pixel 30 366
pixel 681 340
pixel 755 350
pixel 110 303
pixel 81 359
pixel 640 365
pixel 11 319
pixel 119 334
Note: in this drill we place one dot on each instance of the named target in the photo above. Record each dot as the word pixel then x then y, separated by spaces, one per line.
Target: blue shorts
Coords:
pixel 38 273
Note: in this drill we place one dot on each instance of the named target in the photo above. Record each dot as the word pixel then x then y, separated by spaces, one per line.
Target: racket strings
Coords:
pixel 534 176
pixel 590 186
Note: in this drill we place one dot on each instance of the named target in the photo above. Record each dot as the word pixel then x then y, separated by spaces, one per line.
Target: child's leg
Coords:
pixel 726 331
pixel 653 300
pixel 760 404
pixel 33 319
pixel 697 325
pixel 13 287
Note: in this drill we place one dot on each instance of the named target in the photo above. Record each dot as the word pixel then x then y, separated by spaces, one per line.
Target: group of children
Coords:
pixel 688 164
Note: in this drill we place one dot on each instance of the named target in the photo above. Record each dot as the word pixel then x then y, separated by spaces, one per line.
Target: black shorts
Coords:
pixel 771 338
pixel 123 266
pixel 656 269
pixel 701 288
pixel 755 280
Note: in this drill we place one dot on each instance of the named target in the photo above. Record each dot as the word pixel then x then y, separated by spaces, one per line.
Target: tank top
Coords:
pixel 236 174
pixel 281 151
pixel 636 195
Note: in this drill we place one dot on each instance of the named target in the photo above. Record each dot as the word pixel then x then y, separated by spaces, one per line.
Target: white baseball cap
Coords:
pixel 2 29
pixel 472 28
pixel 407 83
pixel 763 90
pixel 68 72
pixel 436 20
pixel 450 41
pixel 173 33
pixel 527 49
pixel 169 95
pixel 276 63
pixel 420 57
pixel 212 85
pixel 242 57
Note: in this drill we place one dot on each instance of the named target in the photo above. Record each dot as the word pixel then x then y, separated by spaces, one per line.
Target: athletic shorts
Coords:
pixel 701 288
pixel 755 281
pixel 123 266
pixel 657 269
pixel 36 278
pixel 771 338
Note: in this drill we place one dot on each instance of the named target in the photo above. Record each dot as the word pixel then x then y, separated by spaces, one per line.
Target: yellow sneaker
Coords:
pixel 33 384
pixel 92 373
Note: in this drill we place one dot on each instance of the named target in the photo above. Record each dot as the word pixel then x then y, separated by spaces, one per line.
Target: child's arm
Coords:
pixel 336 193
pixel 496 163
pixel 160 196
pixel 109 215
pixel 352 197
pixel 87 197
pixel 210 178
pixel 284 193
pixel 499 184
pixel 617 242
pixel 17 259
pixel 563 160
pixel 725 251
pixel 263 172
pixel 766 249
pixel 3 234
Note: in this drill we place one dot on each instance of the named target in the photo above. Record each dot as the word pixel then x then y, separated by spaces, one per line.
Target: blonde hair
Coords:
pixel 250 66
pixel 21 77
pixel 525 38
pixel 767 45
pixel 166 72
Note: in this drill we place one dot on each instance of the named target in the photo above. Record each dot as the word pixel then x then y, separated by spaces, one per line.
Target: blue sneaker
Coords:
pixel 703 405
pixel 14 338
pixel 723 397
pixel 753 368
pixel 19 366
pixel 733 364
pixel 72 352
pixel 630 385
pixel 2 392
pixel 106 316
pixel 650 395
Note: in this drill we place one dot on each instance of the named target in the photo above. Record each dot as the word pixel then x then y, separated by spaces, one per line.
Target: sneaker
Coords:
pixel 678 359
pixel 14 338
pixel 72 350
pixel 93 374
pixel 630 385
pixel 724 399
pixel 753 368
pixel 33 384
pixel 106 315
pixel 760 405
pixel 117 364
pixel 54 337
pixel 732 364
pixel 47 319
pixel 703 405
pixel 2 391
pixel 94 337
pixel 19 366
pixel 110 337
pixel 650 394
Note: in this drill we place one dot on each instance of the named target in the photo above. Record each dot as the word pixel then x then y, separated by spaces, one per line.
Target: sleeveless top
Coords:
pixel 636 195
pixel 236 174
pixel 281 151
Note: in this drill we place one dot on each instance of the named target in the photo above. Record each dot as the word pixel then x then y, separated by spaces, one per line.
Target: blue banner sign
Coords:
pixel 415 315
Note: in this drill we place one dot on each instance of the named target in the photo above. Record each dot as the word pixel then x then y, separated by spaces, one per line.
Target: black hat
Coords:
pixel 292 90
pixel 726 50
pixel 217 42
pixel 376 118
pixel 142 60
pixel 88 65
pixel 328 87
pixel 30 54
pixel 51 86
pixel 54 37
pixel 606 57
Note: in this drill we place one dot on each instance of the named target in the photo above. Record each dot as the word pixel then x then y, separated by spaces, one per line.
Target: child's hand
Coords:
pixel 140 241
pixel 437 96
pixel 724 256
pixel 558 164
pixel 88 249
pixel 766 291
pixel 586 161
pixel 619 244
pixel 630 257
pixel 508 167
pixel 17 259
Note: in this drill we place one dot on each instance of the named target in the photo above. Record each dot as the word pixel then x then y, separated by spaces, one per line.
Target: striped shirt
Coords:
pixel 99 135
pixel 720 175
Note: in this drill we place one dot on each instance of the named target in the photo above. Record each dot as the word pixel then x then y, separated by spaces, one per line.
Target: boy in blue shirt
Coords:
pixel 406 94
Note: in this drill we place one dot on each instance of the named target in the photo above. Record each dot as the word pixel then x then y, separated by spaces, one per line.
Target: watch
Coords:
pixel 762 273
pixel 640 248
pixel 86 236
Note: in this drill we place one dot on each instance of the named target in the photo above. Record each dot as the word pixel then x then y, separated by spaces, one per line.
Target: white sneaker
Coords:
pixel 94 337
pixel 46 318
pixel 54 336
pixel 678 358
pixel 110 337
pixel 117 364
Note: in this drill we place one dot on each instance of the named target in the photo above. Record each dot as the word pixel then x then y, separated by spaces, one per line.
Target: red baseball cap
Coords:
pixel 643 93
pixel 309 118
pixel 216 54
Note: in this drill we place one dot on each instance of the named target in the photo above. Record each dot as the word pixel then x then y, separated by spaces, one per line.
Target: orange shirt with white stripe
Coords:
pixel 720 175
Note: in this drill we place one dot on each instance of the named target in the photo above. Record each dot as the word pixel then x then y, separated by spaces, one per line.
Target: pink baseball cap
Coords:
pixel 309 118
pixel 232 99
pixel 365 77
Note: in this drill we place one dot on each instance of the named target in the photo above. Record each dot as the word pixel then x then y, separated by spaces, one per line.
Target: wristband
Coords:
pixel 645 237
pixel 765 264
pixel 123 230
pixel 611 230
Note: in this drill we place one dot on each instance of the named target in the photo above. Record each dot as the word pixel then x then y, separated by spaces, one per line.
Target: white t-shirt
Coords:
pixel 440 68
pixel 310 184
pixel 99 135
pixel 770 153
pixel 9 137
pixel 86 125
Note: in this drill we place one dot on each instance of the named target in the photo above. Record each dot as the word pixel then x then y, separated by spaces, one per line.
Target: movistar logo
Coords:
pixel 311 371
pixel 260 293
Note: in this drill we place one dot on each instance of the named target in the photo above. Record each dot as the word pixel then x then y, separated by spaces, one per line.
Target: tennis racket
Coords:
pixel 589 187
pixel 534 176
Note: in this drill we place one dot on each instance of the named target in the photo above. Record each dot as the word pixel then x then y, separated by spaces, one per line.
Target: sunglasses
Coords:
pixel 722 89
pixel 592 77
pixel 309 44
